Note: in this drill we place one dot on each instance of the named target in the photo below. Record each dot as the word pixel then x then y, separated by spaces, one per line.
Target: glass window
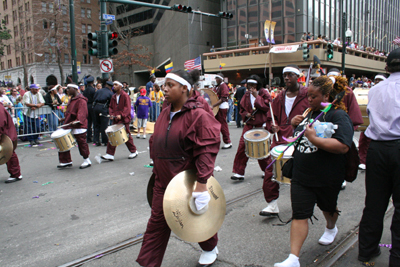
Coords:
pixel 278 27
pixel 64 10
pixel 289 6
pixel 242 16
pixel 90 57
pixel 241 3
pixel 231 4
pixel 43 6
pixel 89 13
pixel 232 36
pixel 84 59
pixel 276 9
pixel 53 58
pixel 289 25
pixel 253 30
pixel 253 14
pixel 89 28
pixel 232 22
pixel 242 33
pixel 65 42
pixel 252 2
pixel 65 26
pixel 83 28
pixel 88 1
pixel 66 58
pixel 82 12
pixel 264 12
pixel 51 7
pixel 46 57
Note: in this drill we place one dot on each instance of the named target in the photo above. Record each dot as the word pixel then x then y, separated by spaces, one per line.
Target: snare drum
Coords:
pixel 277 173
pixel 257 143
pixel 211 97
pixel 117 134
pixel 63 139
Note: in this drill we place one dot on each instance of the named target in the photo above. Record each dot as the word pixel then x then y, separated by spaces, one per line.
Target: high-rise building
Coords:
pixel 40 47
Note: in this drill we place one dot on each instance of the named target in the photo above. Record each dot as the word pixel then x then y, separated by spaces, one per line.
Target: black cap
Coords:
pixel 394 58
pixel 110 83
pixel 90 79
pixel 243 81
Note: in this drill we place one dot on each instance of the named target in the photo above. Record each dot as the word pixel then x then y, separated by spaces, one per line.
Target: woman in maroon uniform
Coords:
pixel 76 111
pixel 186 136
pixel 258 99
pixel 7 127
pixel 120 110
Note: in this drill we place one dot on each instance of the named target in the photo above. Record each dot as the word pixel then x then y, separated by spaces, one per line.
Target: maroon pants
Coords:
pixel 270 188
pixel 363 145
pixel 13 167
pixel 240 162
pixel 65 157
pixel 157 234
pixel 129 144
pixel 221 118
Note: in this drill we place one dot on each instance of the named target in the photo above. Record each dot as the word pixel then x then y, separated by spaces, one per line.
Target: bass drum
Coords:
pixel 211 97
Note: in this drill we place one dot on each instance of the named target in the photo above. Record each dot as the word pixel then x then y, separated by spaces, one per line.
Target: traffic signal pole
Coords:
pixel 73 45
pixel 103 35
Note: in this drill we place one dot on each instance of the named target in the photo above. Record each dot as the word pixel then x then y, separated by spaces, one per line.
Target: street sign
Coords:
pixel 106 66
pixel 108 16
pixel 109 21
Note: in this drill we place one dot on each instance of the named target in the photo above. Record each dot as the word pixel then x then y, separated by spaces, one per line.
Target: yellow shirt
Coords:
pixel 156 96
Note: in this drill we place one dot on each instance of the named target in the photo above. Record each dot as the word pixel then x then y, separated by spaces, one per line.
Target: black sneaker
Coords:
pixel 369 257
pixel 36 142
pixel 31 143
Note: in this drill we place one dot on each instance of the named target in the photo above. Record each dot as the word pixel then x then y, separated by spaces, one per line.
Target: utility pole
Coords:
pixel 343 38
pixel 73 45
pixel 270 46
pixel 103 35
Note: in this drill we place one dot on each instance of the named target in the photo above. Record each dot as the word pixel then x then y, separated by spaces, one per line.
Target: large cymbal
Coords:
pixel 150 187
pixel 181 219
pixel 6 149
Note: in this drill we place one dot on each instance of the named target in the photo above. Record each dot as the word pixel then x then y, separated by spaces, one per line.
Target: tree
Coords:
pixel 132 54
pixel 4 35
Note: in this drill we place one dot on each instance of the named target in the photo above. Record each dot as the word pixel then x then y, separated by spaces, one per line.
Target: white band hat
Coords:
pixel 252 81
pixel 291 69
pixel 117 82
pixel 333 73
pixel 333 79
pixel 73 86
pixel 218 76
pixel 179 80
pixel 380 77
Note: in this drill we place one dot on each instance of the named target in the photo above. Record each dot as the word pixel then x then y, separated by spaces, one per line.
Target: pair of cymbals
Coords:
pixel 6 149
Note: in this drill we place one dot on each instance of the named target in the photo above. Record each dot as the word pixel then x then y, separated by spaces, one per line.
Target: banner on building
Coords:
pixel 267 25
pixel 284 49
pixel 78 67
pixel 7 79
pixel 273 23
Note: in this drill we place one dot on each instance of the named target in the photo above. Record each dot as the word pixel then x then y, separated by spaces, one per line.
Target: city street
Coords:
pixel 54 216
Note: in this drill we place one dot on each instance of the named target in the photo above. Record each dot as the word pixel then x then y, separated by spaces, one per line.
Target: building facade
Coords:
pixel 40 48
pixel 374 22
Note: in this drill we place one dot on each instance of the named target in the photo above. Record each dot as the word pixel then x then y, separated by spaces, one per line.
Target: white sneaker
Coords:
pixel 328 237
pixel 86 163
pixel 13 179
pixel 144 136
pixel 237 177
pixel 151 163
pixel 271 210
pixel 362 166
pixel 133 155
pixel 226 146
pixel 208 257
pixel 344 185
pixel 138 136
pixel 291 261
pixel 108 157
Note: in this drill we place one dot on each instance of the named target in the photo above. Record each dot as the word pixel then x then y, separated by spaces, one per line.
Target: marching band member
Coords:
pixel 318 167
pixel 76 111
pixel 288 104
pixel 186 136
pixel 120 112
pixel 222 91
pixel 257 100
pixel 383 162
pixel 7 127
pixel 364 141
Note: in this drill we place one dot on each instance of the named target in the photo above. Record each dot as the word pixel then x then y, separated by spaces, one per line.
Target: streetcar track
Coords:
pixel 138 239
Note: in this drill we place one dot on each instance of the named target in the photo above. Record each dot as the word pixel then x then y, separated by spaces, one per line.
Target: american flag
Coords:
pixel 193 64
pixel 396 41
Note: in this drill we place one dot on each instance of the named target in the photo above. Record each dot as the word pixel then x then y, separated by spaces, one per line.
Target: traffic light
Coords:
pixel 182 8
pixel 225 15
pixel 94 43
pixel 112 43
pixel 329 51
pixel 306 51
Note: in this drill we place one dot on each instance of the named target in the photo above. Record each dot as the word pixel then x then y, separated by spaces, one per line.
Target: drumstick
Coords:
pixel 306 112
pixel 273 121
pixel 56 115
pixel 74 122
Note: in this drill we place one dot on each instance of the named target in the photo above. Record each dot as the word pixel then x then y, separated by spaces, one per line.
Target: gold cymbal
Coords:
pixel 6 149
pixel 181 219
pixel 150 186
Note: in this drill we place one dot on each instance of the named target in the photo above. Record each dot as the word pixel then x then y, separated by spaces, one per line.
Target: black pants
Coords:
pixel 382 181
pixel 238 117
pixel 100 124
pixel 90 122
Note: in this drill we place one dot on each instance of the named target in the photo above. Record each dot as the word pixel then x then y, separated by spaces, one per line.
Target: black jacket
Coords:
pixel 239 94
pixel 48 101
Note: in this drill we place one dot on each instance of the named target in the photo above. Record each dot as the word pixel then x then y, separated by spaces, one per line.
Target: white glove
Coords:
pixel 201 199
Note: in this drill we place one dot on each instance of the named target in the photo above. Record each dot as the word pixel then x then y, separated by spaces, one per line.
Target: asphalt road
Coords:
pixel 83 211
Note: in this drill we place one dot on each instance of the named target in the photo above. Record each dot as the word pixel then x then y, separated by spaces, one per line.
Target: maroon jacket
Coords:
pixel 196 95
pixel 278 107
pixel 123 108
pixel 7 125
pixel 222 91
pixel 353 109
pixel 261 103
pixel 77 111
pixel 190 140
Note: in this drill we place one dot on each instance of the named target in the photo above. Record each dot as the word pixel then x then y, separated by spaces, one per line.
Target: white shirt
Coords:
pixel 118 98
pixel 252 100
pixel 224 105
pixel 4 99
pixel 289 104
pixel 79 131
pixel 172 114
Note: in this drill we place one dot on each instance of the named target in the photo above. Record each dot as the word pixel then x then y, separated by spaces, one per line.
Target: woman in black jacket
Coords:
pixel 53 100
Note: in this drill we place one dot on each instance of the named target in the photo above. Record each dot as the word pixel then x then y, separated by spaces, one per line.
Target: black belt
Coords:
pixel 387 141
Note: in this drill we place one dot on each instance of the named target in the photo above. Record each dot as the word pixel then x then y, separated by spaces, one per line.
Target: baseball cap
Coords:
pixel 393 58
pixel 142 91
pixel 34 86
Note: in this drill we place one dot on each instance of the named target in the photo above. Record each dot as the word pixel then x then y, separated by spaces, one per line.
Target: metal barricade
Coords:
pixel 43 120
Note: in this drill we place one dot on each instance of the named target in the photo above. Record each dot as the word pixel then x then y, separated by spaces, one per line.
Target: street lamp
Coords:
pixel 346 41
pixel 349 34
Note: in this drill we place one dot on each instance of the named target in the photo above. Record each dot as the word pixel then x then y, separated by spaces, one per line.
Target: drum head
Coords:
pixel 211 97
pixel 114 128
pixel 256 135
pixel 276 151
pixel 59 133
